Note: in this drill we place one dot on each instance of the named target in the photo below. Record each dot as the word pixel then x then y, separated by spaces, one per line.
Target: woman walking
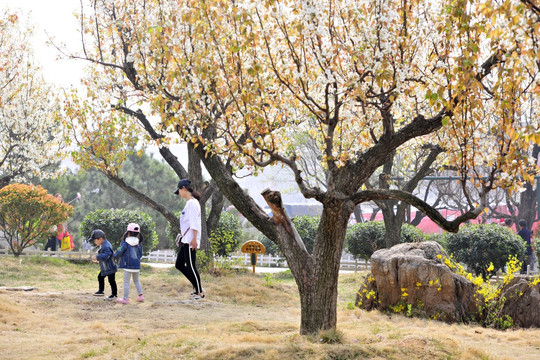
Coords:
pixel 189 239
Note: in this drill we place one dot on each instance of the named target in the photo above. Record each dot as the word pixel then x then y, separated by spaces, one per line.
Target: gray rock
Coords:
pixel 411 276
pixel 522 302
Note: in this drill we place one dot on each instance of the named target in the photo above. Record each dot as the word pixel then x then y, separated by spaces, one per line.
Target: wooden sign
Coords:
pixel 253 247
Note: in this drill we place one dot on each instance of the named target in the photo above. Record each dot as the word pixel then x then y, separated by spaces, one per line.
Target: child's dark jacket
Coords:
pixel 106 260
pixel 130 253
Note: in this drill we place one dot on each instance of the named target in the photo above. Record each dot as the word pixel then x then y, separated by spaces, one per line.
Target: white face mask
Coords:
pixel 132 240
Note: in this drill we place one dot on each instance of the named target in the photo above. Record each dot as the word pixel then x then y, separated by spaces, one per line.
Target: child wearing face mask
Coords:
pixel 130 253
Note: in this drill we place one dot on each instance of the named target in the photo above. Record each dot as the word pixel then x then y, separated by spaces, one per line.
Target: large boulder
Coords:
pixel 413 277
pixel 522 302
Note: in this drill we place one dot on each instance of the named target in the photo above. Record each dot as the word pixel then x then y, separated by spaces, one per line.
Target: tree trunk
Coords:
pixel 527 204
pixel 318 292
pixel 196 177
pixel 392 235
pixel 215 211
pixel 393 223
pixel 316 275
pixel 358 215
pixel 527 208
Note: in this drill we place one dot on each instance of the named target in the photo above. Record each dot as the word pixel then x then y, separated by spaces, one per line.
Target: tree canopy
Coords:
pixel 238 80
pixel 31 135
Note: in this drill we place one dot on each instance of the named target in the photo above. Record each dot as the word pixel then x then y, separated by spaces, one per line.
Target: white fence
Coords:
pixel 76 255
pixel 348 262
pixel 169 256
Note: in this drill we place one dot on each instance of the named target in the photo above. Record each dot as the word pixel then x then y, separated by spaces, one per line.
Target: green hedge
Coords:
pixel 363 239
pixel 306 226
pixel 225 238
pixel 481 244
pixel 114 223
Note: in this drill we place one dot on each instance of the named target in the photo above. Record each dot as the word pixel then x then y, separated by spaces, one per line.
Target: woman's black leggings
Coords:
pixel 186 263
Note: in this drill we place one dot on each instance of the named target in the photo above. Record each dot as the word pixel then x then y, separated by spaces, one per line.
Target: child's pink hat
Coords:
pixel 133 227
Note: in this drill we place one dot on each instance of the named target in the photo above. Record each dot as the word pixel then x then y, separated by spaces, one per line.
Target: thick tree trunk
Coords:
pixel 527 206
pixel 392 235
pixel 318 292
pixel 393 223
pixel 215 211
pixel 358 215
pixel 316 275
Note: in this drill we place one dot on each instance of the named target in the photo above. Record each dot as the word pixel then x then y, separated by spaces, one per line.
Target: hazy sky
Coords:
pixel 52 18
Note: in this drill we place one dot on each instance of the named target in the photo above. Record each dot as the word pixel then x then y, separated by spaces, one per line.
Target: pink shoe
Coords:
pixel 140 298
pixel 123 301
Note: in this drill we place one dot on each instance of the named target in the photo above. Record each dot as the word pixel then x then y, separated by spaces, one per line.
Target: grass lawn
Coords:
pixel 245 316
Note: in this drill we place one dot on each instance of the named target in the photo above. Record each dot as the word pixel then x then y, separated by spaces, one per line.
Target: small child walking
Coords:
pixel 107 265
pixel 130 253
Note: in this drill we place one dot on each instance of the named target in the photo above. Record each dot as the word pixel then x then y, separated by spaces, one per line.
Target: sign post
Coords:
pixel 253 247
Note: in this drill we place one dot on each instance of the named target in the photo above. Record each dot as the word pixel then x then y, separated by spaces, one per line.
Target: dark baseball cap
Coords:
pixel 181 184
pixel 96 234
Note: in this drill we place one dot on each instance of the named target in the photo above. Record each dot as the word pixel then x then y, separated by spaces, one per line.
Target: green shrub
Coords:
pixel 410 233
pixel 479 245
pixel 114 223
pixel 269 245
pixel 306 226
pixel 225 238
pixel 364 239
pixel 442 239
pixel 171 235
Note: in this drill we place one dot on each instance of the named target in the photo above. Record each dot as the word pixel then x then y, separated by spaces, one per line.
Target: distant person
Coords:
pixel 52 241
pixel 508 223
pixel 86 246
pixel 130 253
pixel 55 239
pixel 189 240
pixel 525 234
pixel 64 238
pixel 107 265
pixel 533 256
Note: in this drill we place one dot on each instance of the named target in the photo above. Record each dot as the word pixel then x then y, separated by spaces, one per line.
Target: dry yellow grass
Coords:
pixel 246 316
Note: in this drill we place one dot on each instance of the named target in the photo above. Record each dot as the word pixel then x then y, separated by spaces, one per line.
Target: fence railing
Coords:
pixel 75 255
pixel 348 262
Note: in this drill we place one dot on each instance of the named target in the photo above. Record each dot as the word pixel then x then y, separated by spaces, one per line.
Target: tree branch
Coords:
pixel 169 215
pixel 165 152
pixel 432 213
